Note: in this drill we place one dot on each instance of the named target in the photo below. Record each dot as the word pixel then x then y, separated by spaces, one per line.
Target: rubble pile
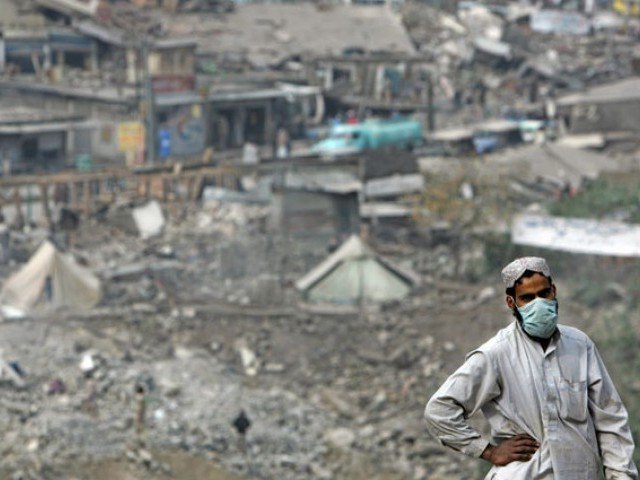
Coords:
pixel 502 50
pixel 326 394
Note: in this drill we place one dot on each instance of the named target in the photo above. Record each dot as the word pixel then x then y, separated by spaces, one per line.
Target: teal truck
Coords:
pixel 346 139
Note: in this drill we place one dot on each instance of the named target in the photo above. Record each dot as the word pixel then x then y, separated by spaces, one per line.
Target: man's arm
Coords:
pixel 611 421
pixel 465 392
pixel 459 397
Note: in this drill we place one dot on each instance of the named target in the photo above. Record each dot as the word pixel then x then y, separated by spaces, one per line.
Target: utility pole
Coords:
pixel 150 110
pixel 431 111
pixel 427 99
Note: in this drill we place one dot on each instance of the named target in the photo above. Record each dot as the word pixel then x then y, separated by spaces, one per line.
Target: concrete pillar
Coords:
pixel 60 63
pixel 328 79
pixel 238 125
pixel 210 118
pixel 269 127
pixel 93 58
pixel 379 82
pixel 132 70
pixel 70 142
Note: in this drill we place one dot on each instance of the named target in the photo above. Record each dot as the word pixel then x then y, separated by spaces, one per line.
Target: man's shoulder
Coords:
pixel 573 334
pixel 498 342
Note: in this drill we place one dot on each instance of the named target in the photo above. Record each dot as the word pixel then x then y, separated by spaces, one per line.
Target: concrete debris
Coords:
pixel 340 438
pixel 149 219
pixel 249 360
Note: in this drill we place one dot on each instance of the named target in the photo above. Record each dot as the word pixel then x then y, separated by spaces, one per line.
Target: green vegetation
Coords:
pixel 602 198
pixel 618 344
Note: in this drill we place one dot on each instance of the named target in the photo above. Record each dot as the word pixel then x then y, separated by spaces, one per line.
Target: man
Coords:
pixel 553 409
pixel 242 423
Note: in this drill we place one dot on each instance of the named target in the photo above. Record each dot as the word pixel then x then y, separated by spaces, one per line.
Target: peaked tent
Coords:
pixel 53 278
pixel 354 273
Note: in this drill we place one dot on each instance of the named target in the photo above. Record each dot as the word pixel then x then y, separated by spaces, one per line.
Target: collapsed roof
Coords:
pixel 561 163
pixel 270 33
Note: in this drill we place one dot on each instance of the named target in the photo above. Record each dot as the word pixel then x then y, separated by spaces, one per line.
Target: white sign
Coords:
pixel 577 235
pixel 2 56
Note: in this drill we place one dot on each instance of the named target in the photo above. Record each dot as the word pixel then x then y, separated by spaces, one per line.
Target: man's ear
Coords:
pixel 553 288
pixel 511 303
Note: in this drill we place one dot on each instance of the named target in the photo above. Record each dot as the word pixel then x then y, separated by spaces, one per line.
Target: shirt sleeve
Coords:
pixel 465 392
pixel 611 421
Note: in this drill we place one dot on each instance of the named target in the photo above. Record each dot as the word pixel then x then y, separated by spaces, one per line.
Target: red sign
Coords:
pixel 173 83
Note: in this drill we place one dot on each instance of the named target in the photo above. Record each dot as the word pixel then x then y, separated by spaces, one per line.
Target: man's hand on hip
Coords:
pixel 516 449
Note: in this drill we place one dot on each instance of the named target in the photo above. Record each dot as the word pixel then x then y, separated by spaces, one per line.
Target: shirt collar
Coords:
pixel 553 341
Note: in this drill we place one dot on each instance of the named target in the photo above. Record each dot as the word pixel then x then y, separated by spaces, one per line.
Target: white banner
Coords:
pixel 577 235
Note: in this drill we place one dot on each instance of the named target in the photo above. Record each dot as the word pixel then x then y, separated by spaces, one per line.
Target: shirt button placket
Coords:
pixel 550 394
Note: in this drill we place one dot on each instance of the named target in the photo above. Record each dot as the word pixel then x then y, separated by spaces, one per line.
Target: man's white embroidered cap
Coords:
pixel 512 272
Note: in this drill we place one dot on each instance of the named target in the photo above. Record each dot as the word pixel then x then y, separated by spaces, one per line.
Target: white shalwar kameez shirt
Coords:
pixel 562 397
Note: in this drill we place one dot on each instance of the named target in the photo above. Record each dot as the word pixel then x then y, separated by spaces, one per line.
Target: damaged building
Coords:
pixel 607 108
pixel 46 141
pixel 316 206
pixel 94 68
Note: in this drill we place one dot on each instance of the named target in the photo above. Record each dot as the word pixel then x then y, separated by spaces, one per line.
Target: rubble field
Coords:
pixel 330 394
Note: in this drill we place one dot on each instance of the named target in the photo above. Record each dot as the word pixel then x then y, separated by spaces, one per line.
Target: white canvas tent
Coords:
pixel 353 274
pixel 51 278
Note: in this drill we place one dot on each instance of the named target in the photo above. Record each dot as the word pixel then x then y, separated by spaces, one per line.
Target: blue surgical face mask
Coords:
pixel 539 317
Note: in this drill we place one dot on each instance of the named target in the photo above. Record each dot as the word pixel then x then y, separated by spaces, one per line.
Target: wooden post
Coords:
pixel 87 197
pixel 19 220
pixel 44 198
pixel 165 189
pixel 113 194
pixel 73 195
pixel 147 188
pixel 190 188
pixel 199 186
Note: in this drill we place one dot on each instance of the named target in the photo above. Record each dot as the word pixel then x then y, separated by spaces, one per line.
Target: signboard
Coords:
pixel 577 235
pixel 186 133
pixel 560 21
pixel 173 83
pixel 130 136
pixel 2 61
pixel 164 143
